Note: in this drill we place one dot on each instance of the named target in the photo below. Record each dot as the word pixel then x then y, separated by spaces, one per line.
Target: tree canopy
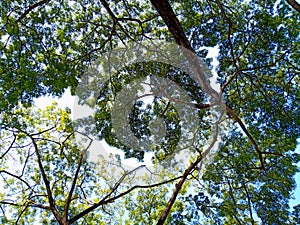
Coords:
pixel 48 46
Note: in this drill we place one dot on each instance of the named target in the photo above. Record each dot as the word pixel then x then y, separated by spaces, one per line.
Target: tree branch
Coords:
pixel 21 213
pixel 166 12
pixel 32 203
pixel 186 173
pixel 11 144
pixel 46 181
pixel 249 204
pixel 235 214
pixel 243 127
pixel 230 79
pixel 18 177
pixel 32 7
pixel 103 201
pixel 9 203
pixel 230 26
pixel 294 4
pixel 69 198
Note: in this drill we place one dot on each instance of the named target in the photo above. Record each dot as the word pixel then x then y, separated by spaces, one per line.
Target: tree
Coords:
pixel 46 46
pixel 51 180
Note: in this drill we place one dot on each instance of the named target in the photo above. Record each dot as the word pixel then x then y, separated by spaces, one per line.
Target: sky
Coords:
pixel 68 101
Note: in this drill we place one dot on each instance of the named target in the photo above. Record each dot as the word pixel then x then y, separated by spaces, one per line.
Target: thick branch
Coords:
pixel 203 106
pixel 110 12
pixel 166 12
pixel 69 198
pixel 294 4
pixel 21 213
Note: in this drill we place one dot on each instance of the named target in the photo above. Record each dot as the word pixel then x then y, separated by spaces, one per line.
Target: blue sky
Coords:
pixel 296 201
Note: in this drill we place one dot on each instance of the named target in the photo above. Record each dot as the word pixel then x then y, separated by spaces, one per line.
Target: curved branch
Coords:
pixel 11 145
pixel 32 7
pixel 19 178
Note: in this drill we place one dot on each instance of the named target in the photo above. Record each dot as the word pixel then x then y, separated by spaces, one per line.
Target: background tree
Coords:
pixel 46 46
pixel 47 179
